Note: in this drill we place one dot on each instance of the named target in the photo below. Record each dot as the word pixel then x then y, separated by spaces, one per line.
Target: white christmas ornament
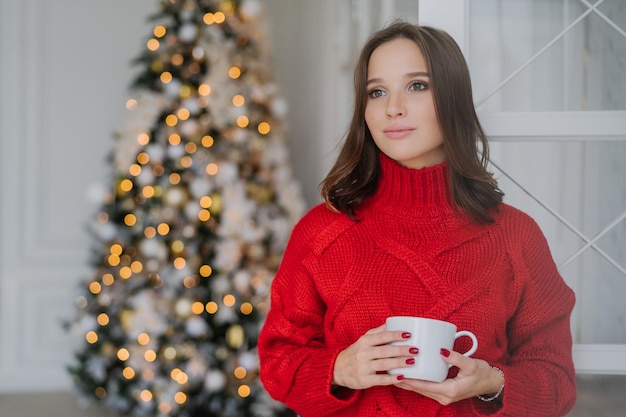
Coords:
pixel 145 317
pixel 173 88
pixel 196 326
pixel 96 367
pixel 146 177
pixel 241 280
pixel 215 381
pixel 106 231
pixel 189 231
pixel 280 107
pixel 191 105
pixel 88 323
pixel 152 265
pixel 239 136
pixel 176 152
pixel 221 284
pixel 104 299
pixel 228 254
pixel 199 187
pixel 175 196
pixel 187 32
pixel 225 315
pixel 183 307
pixel 198 53
pixel 153 248
pixel 227 173
pixel 189 127
pixel 250 9
pixel 156 153
pixel 249 360
pixel 191 211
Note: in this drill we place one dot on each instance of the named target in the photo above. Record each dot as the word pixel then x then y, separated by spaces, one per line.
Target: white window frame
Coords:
pixel 453 16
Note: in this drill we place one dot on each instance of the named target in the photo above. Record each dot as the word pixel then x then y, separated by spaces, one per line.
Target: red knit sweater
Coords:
pixel 410 254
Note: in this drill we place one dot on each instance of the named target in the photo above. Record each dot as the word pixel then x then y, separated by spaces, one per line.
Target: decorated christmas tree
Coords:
pixel 191 229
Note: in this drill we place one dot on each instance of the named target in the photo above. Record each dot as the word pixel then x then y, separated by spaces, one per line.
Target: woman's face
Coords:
pixel 400 109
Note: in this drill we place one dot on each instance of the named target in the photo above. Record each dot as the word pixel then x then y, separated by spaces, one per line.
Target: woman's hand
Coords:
pixel 365 363
pixel 475 377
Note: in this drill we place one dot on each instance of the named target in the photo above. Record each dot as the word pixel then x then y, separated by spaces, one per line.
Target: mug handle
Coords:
pixel 471 335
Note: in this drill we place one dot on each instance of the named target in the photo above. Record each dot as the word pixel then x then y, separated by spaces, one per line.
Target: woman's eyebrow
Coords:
pixel 418 74
pixel 409 75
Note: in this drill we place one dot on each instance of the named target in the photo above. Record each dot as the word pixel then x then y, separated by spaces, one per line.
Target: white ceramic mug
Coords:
pixel 429 336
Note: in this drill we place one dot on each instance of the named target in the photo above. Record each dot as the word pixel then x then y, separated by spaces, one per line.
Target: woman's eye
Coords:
pixel 418 86
pixel 375 93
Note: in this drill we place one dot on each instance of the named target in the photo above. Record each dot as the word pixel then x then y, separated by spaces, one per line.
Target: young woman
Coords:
pixel 413 224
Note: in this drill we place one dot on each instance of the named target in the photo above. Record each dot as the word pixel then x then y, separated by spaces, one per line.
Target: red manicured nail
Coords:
pixel 414 351
pixel 400 377
pixel 406 335
pixel 410 361
pixel 445 352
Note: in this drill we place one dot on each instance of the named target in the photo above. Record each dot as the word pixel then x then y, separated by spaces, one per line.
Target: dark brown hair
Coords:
pixel 354 177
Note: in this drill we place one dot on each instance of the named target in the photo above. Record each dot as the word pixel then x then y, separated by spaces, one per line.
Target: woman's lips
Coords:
pixel 397 132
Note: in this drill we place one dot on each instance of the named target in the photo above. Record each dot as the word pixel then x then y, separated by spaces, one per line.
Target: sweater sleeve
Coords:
pixel 539 371
pixel 296 366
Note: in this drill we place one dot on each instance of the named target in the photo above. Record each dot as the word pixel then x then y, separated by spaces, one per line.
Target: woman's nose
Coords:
pixel 395 105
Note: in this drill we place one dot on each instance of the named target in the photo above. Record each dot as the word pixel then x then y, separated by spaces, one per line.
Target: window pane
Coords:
pixel 523 57
pixel 583 184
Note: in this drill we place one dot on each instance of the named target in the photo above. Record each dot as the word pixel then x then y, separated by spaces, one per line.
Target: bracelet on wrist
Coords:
pixel 497 394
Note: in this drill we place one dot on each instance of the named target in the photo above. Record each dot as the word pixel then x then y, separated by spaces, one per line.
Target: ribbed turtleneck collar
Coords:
pixel 412 191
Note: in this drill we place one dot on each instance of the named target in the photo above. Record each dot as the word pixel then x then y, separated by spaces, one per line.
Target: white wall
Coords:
pixel 299 70
pixel 64 69
pixel 309 40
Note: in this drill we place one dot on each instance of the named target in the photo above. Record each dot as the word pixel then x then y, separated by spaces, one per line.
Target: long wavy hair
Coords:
pixel 355 174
